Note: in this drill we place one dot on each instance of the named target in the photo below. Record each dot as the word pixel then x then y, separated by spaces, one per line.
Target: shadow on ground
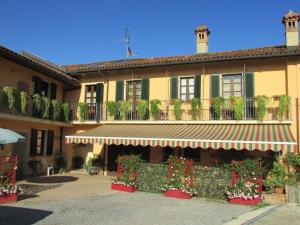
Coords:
pixel 21 216
pixel 31 190
pixel 52 179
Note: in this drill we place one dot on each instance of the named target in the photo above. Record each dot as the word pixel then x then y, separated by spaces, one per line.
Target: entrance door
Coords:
pixel 134 92
pixel 21 150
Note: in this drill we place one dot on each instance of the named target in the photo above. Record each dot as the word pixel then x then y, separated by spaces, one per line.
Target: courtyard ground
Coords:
pixel 81 199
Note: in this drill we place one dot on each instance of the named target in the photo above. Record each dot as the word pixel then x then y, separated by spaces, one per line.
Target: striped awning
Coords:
pixel 245 136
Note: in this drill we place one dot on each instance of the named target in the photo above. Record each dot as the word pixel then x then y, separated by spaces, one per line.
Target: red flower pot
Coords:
pixel 242 201
pixel 8 198
pixel 177 194
pixel 122 187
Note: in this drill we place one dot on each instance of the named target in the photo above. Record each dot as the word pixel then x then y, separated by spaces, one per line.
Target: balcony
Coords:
pixel 258 109
pixel 32 108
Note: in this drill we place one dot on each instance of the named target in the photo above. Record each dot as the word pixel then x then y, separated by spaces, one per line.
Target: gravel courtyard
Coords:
pixel 115 208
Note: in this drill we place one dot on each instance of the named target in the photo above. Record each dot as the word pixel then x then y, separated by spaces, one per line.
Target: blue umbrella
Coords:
pixel 9 136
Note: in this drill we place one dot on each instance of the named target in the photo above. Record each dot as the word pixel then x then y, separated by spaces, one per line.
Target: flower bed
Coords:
pixel 243 201
pixel 123 187
pixel 6 198
pixel 177 194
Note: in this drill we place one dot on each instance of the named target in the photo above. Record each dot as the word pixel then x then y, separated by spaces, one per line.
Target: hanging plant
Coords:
pixel 37 105
pixel 55 110
pixel 142 108
pixel 23 102
pixel 218 103
pixel 124 107
pixel 261 101
pixel 111 108
pixel 177 109
pixel 284 106
pixel 154 110
pixel 83 111
pixel 10 99
pixel 196 108
pixel 45 107
pixel 238 106
pixel 65 107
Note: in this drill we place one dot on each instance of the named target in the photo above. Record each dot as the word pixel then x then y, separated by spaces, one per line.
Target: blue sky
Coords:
pixel 69 32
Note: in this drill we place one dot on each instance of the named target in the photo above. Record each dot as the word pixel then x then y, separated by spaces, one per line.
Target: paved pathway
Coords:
pixel 89 200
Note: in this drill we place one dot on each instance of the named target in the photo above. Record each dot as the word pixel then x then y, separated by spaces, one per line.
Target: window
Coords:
pixel 134 90
pixel 90 95
pixel 232 85
pixel 41 142
pixel 187 88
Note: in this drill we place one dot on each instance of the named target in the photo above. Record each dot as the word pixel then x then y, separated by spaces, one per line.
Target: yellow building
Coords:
pixel 182 104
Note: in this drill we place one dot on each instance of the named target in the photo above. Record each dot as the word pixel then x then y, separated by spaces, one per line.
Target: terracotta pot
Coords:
pixel 279 190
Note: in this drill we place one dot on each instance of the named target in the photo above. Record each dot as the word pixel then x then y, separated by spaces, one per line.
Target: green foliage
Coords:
pixel 129 166
pixel 66 110
pixel 210 182
pixel 83 111
pixel 124 107
pixel 142 107
pixel 196 108
pixel 218 103
pixel 111 108
pixel 37 107
pixel 247 168
pixel 238 106
pixel 177 109
pixel 90 169
pixel 276 177
pixel 55 110
pixel 23 102
pixel 10 100
pixel 261 101
pixel 45 108
pixel 284 106
pixel 154 110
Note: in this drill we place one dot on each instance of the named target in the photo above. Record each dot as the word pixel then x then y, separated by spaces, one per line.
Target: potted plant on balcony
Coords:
pixel 276 179
pixel 10 100
pixel 66 111
pixel 142 108
pixel 180 178
pixel 124 107
pixel 196 108
pixel 238 106
pixel 23 102
pixel 177 109
pixel 127 174
pixel 284 106
pixel 111 109
pixel 154 108
pixel 217 105
pixel 261 101
pixel 83 111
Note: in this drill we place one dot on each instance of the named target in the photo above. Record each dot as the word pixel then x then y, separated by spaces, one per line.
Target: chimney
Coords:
pixel 202 33
pixel 290 22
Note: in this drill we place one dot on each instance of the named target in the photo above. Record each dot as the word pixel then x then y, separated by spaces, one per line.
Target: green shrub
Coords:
pixel 66 110
pixel 55 110
pixel 154 110
pixel 124 107
pixel 10 100
pixel 142 107
pixel 111 108
pixel 276 177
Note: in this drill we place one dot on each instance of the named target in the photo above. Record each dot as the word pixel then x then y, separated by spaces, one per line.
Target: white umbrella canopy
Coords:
pixel 9 136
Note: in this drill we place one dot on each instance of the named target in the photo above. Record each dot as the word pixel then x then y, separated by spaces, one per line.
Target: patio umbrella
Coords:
pixel 9 136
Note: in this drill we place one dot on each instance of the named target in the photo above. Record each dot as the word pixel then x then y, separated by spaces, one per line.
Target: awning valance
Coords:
pixel 263 137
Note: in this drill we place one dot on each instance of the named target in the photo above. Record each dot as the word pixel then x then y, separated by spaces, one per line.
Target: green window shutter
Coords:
pixel 33 142
pixel 119 90
pixel 37 85
pixel 53 88
pixel 50 139
pixel 214 86
pixel 145 89
pixel 197 90
pixel 99 93
pixel 174 88
pixel 249 83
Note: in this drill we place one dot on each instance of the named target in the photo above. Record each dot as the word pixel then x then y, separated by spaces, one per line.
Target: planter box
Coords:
pixel 177 194
pixel 8 198
pixel 122 187
pixel 242 201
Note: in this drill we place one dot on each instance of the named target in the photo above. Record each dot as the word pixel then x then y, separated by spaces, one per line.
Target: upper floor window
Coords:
pixel 90 94
pixel 232 85
pixel 186 88
pixel 134 90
